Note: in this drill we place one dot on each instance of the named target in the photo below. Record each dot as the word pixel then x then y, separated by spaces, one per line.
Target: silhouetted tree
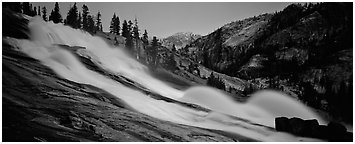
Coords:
pixel 170 62
pixel 79 21
pixel 34 11
pixel 125 29
pixel 136 37
pixel 98 22
pixel 145 37
pixel 116 25
pixel 91 24
pixel 44 12
pixel 72 17
pixel 85 17
pixel 152 52
pixel 39 11
pixel 112 24
pixel 55 16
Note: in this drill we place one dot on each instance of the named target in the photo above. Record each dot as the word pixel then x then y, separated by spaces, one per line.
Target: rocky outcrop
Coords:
pixel 180 40
pixel 303 50
pixel 38 105
pixel 310 128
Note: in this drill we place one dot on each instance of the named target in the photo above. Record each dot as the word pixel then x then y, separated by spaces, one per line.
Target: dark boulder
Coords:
pixel 338 131
pixel 311 128
pixel 282 124
pixel 297 126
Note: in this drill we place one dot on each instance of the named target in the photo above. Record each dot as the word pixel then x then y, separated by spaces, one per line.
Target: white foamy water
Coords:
pixel 262 108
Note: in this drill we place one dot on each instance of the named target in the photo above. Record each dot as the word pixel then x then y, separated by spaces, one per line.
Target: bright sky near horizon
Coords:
pixel 163 19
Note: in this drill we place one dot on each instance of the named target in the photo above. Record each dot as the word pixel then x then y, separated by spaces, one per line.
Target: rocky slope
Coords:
pixel 38 105
pixel 305 51
pixel 180 39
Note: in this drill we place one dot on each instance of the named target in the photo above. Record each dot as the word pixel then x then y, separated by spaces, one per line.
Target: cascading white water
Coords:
pixel 262 108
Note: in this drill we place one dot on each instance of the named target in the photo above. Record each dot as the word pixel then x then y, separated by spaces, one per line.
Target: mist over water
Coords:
pixel 262 108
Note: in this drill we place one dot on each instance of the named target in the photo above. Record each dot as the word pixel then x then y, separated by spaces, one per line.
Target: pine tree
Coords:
pixel 55 16
pixel 145 43
pixel 79 21
pixel 170 62
pixel 136 30
pixel 125 29
pixel 72 17
pixel 51 16
pixel 85 17
pixel 117 26
pixel 136 37
pixel 44 12
pixel 126 32
pixel 145 38
pixel 130 27
pixel 91 24
pixel 98 22
pixel 39 11
pixel 112 24
pixel 152 52
pixel 34 12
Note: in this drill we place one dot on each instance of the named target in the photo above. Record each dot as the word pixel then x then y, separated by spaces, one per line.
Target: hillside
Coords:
pixel 41 105
pixel 180 39
pixel 305 51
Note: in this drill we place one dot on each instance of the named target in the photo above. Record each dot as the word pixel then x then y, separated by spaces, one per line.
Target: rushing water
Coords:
pixel 226 114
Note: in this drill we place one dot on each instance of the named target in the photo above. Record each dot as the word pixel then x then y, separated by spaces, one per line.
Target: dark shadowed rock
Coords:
pixel 311 128
pixel 338 131
pixel 297 126
pixel 282 124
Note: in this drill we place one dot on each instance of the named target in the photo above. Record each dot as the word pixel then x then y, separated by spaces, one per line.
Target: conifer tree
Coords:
pixel 152 52
pixel 79 21
pixel 85 17
pixel 98 22
pixel 136 37
pixel 125 29
pixel 72 17
pixel 55 16
pixel 34 11
pixel 51 16
pixel 112 24
pixel 39 11
pixel 91 24
pixel 145 37
pixel 44 12
pixel 130 27
pixel 117 26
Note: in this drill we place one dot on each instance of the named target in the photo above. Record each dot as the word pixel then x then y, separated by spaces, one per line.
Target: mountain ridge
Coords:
pixel 284 50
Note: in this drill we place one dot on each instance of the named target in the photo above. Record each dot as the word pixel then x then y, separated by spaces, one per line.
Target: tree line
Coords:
pixel 155 54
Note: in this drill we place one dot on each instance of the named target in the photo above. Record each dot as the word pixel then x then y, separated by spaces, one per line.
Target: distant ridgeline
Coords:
pixel 303 50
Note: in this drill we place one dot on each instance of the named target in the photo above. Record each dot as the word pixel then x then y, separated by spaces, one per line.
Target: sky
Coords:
pixel 163 19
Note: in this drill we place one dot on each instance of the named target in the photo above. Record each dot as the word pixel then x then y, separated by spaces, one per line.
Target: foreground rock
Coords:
pixel 40 106
pixel 311 128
